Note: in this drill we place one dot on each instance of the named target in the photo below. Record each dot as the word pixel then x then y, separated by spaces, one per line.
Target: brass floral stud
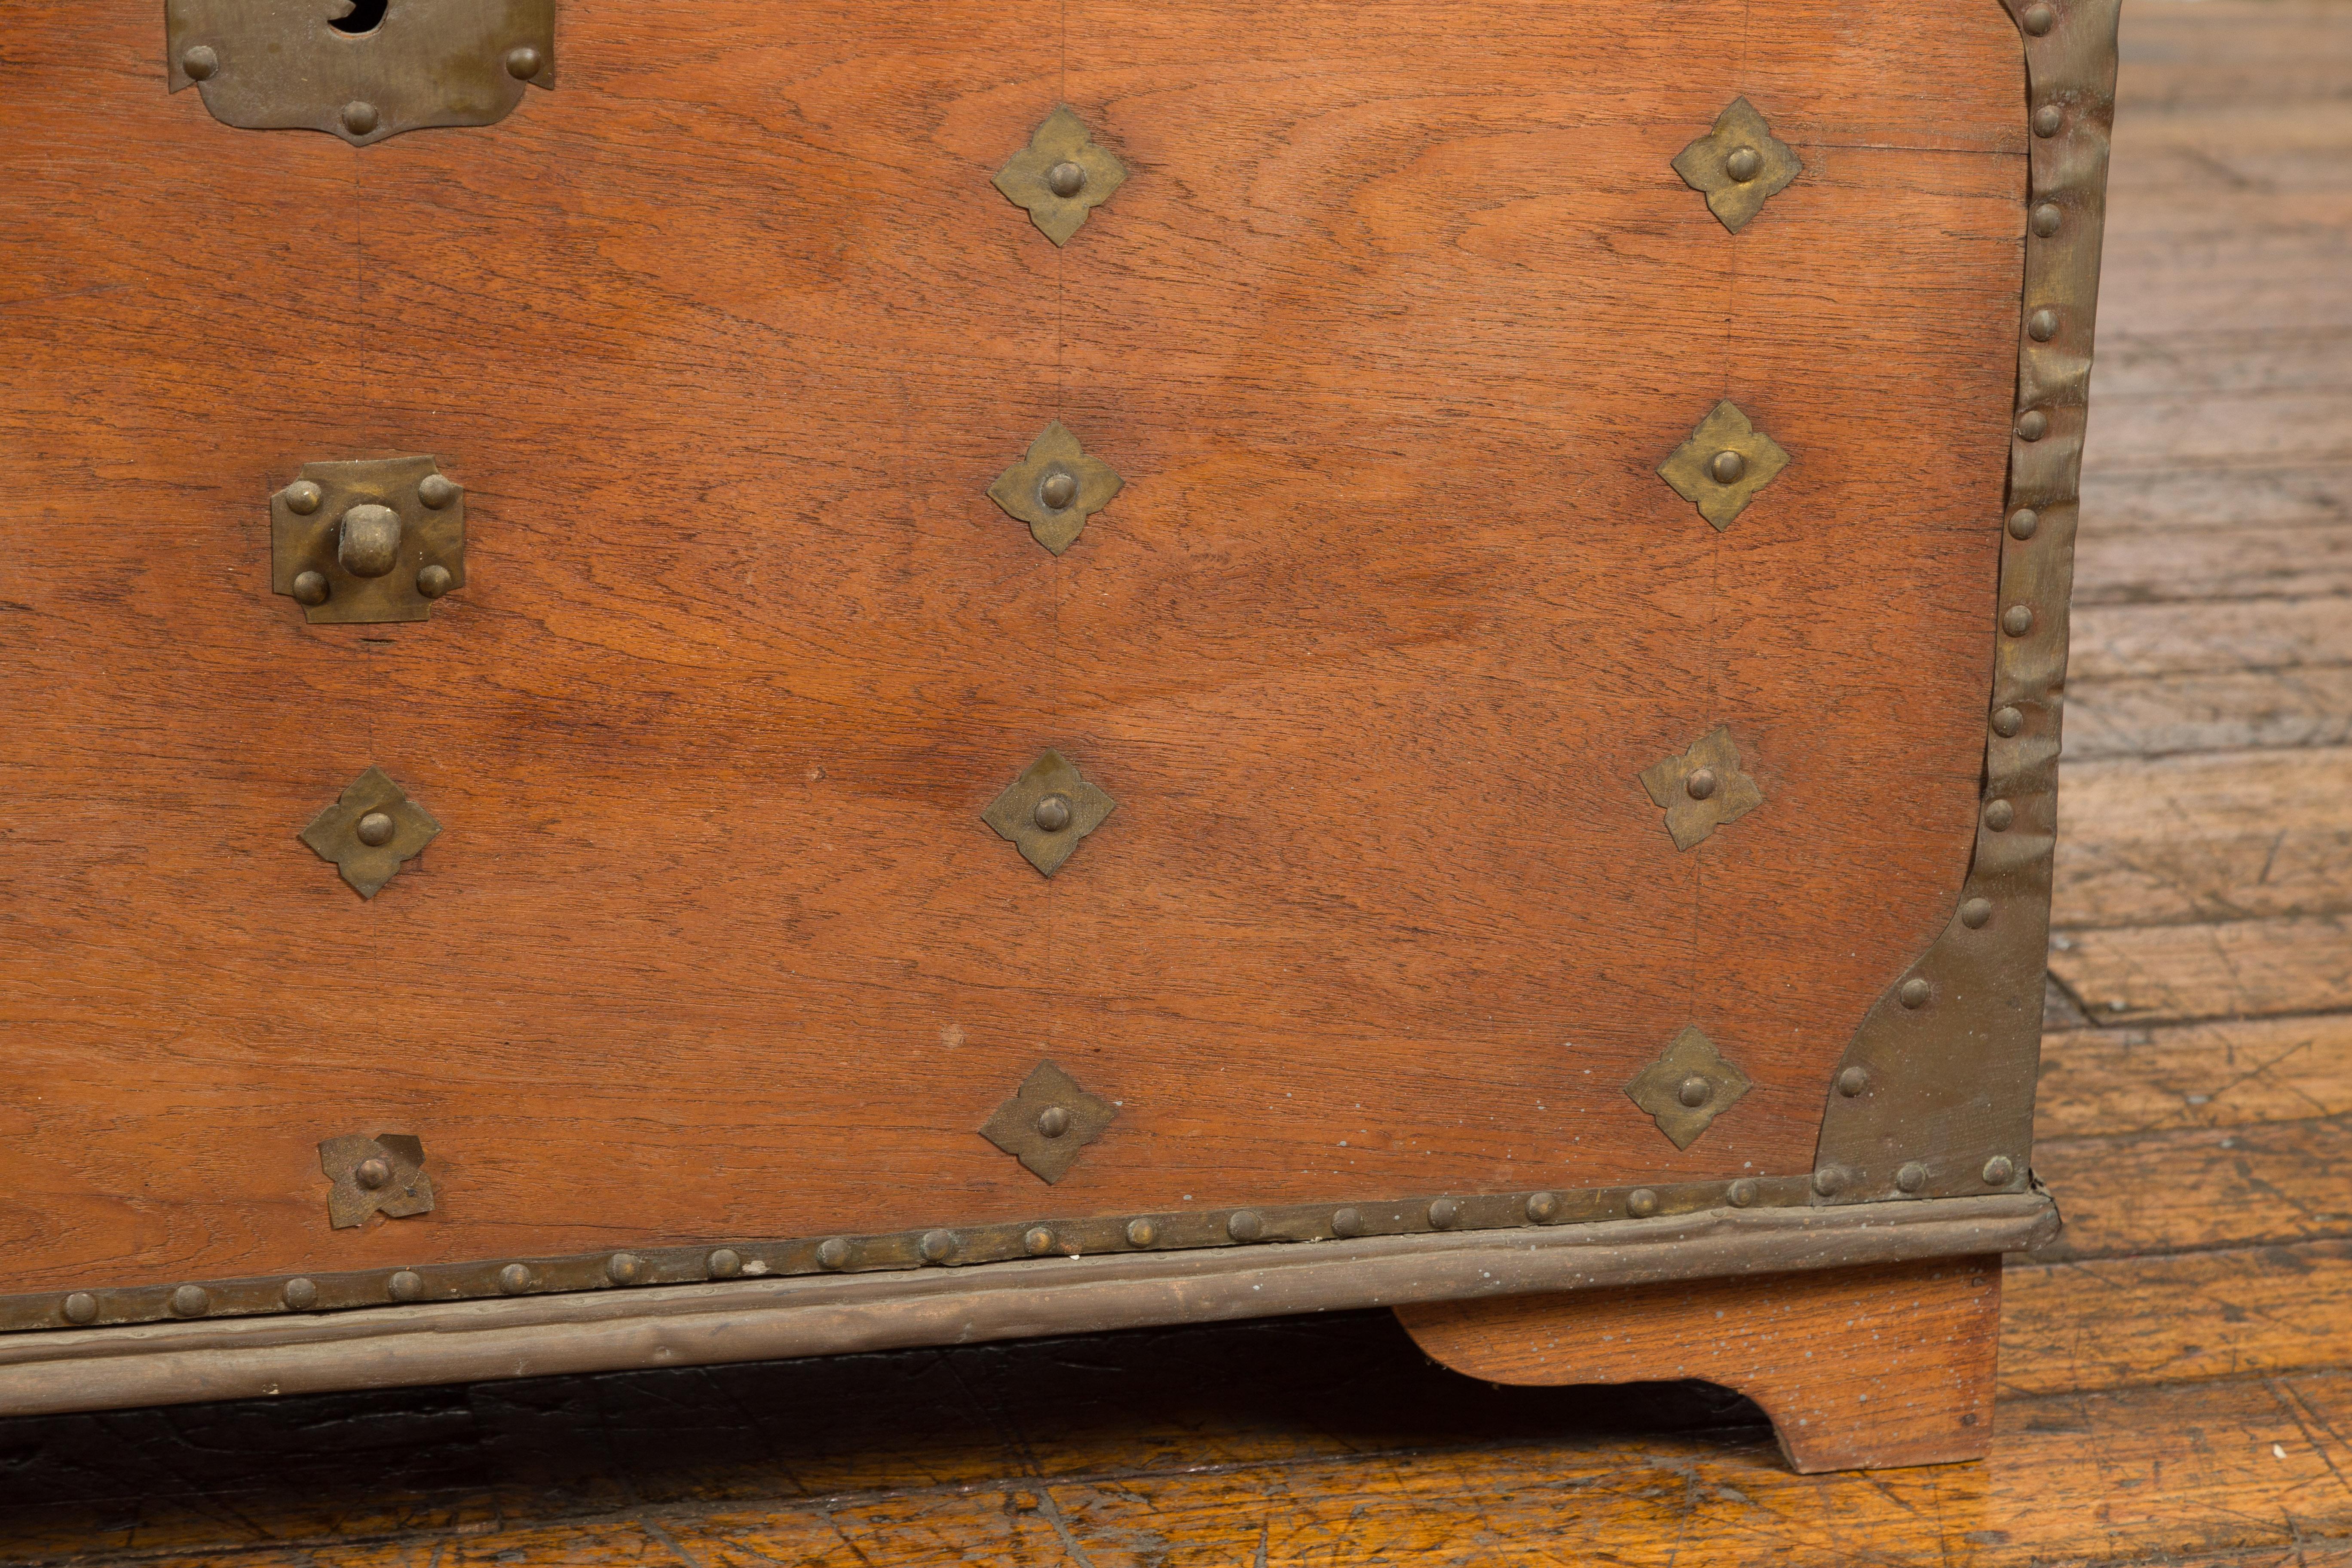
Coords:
pixel 1048 810
pixel 383 1175
pixel 1056 488
pixel 1048 1120
pixel 1723 464
pixel 1061 176
pixel 369 831
pixel 1687 1087
pixel 1739 166
pixel 1702 789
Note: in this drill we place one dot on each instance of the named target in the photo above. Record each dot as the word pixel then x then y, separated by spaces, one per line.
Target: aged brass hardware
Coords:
pixel 1688 1086
pixel 1723 464
pixel 1738 165
pixel 366 542
pixel 370 830
pixel 1048 1120
pixel 1702 789
pixel 383 1175
pixel 296 65
pixel 1045 811
pixel 1061 176
pixel 1056 488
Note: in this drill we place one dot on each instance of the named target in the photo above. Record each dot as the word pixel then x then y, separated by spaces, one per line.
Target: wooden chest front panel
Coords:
pixel 1398 313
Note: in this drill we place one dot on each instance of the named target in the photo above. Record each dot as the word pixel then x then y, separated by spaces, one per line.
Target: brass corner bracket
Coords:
pixel 1688 1086
pixel 1738 165
pixel 1702 789
pixel 1056 488
pixel 369 831
pixel 1722 465
pixel 1047 1121
pixel 1045 811
pixel 1061 176
pixel 357 543
pixel 383 1175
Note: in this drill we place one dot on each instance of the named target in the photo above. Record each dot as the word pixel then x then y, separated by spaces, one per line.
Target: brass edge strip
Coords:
pixel 1934 1094
pixel 942 1245
pixel 701 1325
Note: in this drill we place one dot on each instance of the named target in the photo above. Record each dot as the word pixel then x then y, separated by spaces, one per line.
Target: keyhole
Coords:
pixel 366 16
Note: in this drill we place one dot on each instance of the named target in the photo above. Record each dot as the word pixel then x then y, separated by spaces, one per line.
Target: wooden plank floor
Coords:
pixel 2177 1372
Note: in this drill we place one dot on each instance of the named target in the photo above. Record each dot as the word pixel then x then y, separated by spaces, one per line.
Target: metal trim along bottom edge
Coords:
pixel 768 1320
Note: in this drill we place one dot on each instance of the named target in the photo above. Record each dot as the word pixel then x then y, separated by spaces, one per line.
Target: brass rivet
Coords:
pixel 1541 1206
pixel 2032 424
pixel 1828 1179
pixel 200 63
pixel 1053 813
pixel 2048 120
pixel 1727 467
pixel 1641 1203
pixel 1744 164
pixel 624 1269
pixel 524 63
pixel 1059 491
pixel 1975 913
pixel 938 1246
pixel 436 490
pixel 299 1294
pixel 1065 179
pixel 833 1252
pixel 2043 325
pixel 1053 1121
pixel 2039 19
pixel 2046 219
pixel 303 497
pixel 2017 620
pixel 192 1301
pixel 1243 1225
pixel 434 581
pixel 1038 1240
pixel 1742 1193
pixel 2007 721
pixel 1141 1233
pixel 81 1307
pixel 1853 1081
pixel 406 1285
pixel 1347 1222
pixel 375 831
pixel 1701 784
pixel 310 588
pixel 724 1264
pixel 374 1171
pixel 1915 992
pixel 359 118
pixel 514 1279
pixel 2023 522
pixel 1999 1171
pixel 1695 1091
pixel 1999 815
pixel 1911 1177
pixel 1445 1214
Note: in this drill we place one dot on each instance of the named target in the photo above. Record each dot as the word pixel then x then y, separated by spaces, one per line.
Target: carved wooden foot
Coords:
pixel 1858 1368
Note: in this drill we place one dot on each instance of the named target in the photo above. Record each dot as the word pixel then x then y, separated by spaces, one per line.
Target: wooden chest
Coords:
pixel 689 683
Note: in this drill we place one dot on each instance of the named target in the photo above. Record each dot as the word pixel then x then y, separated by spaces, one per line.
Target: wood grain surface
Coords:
pixel 727 336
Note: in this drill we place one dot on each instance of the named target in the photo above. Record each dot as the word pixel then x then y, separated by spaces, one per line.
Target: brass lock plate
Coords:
pixel 359 70
pixel 376 540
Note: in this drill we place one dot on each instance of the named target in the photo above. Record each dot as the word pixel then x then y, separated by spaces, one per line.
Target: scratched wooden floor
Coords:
pixel 2176 1372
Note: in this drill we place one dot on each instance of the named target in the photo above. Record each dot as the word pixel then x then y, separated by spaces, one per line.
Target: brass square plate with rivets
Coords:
pixel 1048 1120
pixel 383 1175
pixel 1723 464
pixel 1061 176
pixel 369 831
pixel 1738 165
pixel 359 70
pixel 1048 810
pixel 1688 1086
pixel 1056 488
pixel 1702 789
pixel 367 542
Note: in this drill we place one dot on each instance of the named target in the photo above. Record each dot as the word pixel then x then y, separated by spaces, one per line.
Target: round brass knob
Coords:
pixel 1053 813
pixel 1066 180
pixel 524 63
pixel 376 832
pixel 1744 164
pixel 371 540
pixel 1059 491
pixel 1727 467
pixel 434 581
pixel 1053 1121
pixel 310 588
pixel 437 490
pixel 200 63
pixel 359 118
pixel 372 1172
pixel 303 497
pixel 1695 1091
pixel 1701 784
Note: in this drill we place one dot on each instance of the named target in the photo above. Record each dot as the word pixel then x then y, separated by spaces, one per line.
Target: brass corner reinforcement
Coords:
pixel 1688 1086
pixel 1056 488
pixel 1934 1096
pixel 1702 789
pixel 361 542
pixel 1061 176
pixel 1045 811
pixel 359 70
pixel 1048 1120
pixel 369 831
pixel 383 1175
pixel 1722 465
pixel 1738 165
